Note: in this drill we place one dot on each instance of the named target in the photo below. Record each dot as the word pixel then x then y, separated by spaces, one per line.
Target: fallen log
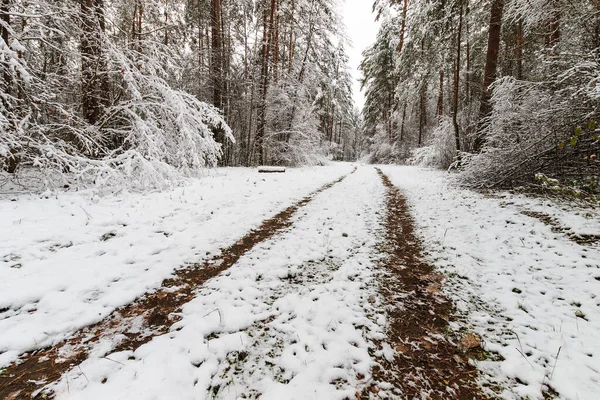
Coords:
pixel 271 170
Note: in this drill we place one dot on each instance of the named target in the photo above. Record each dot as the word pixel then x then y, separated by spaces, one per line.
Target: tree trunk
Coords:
pixel 93 65
pixel 215 53
pixel 200 22
pixel 291 50
pixel 268 22
pixel 166 13
pixel 4 34
pixel 308 48
pixel 422 113
pixel 403 27
pixel 216 66
pixel 554 30
pixel 440 105
pixel 403 122
pixel 491 67
pixel 136 26
pixel 276 49
pixel 457 79
pixel 390 114
pixel 468 62
pixel 11 162
pixel 596 42
pixel 519 50
pixel 302 71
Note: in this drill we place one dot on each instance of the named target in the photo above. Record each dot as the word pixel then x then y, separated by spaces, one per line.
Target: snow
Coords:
pixel 521 285
pixel 299 316
pixel 68 260
pixel 293 319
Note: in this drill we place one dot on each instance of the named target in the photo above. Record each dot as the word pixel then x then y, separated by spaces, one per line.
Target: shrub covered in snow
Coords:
pixel 441 150
pixel 544 128
pixel 381 149
pixel 299 143
pixel 149 136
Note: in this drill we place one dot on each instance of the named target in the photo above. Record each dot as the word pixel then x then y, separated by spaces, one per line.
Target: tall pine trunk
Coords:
pixel 291 45
pixel 422 113
pixel 403 122
pixel 440 104
pixel 403 26
pixel 216 53
pixel 302 72
pixel 554 29
pixel 10 162
pixel 519 50
pixel 4 34
pixel 268 21
pixel 491 67
pixel 93 65
pixel 457 79
pixel 201 62
pixel 276 49
pixel 136 27
pixel 468 60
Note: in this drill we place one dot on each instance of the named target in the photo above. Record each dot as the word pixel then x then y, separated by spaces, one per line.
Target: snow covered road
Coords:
pixel 291 320
pixel 69 260
pixel 335 300
pixel 526 287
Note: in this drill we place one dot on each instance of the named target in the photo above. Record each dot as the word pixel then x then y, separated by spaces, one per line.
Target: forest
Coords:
pixel 505 90
pixel 299 199
pixel 144 92
pixel 141 92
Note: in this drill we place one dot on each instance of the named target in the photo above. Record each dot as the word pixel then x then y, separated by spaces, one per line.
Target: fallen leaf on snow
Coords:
pixel 470 341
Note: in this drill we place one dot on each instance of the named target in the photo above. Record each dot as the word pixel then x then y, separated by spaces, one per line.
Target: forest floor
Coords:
pixel 339 282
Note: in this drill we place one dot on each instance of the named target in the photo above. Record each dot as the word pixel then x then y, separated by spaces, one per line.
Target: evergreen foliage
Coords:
pixel 518 79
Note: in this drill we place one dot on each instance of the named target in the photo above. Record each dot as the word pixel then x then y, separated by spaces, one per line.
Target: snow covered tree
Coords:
pixel 149 91
pixel 521 94
pixel 105 111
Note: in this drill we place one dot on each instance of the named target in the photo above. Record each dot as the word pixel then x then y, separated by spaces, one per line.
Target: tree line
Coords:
pixel 107 90
pixel 506 90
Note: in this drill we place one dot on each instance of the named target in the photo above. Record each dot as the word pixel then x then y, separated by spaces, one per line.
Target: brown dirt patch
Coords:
pixel 429 361
pixel 155 310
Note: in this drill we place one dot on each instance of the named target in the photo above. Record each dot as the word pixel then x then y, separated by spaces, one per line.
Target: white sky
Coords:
pixel 362 30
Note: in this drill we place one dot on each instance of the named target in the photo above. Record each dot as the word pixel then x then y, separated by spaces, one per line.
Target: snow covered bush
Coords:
pixel 295 136
pixel 544 128
pixel 385 150
pixel 441 150
pixel 382 152
pixel 147 133
pixel 12 115
pixel 301 145
pixel 302 148
pixel 157 123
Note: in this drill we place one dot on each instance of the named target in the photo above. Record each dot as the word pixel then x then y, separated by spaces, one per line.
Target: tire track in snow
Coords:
pixel 131 326
pixel 295 318
pixel 423 359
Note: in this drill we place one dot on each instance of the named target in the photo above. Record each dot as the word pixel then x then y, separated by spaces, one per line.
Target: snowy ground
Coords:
pixel 67 261
pixel 298 316
pixel 528 289
pixel 291 320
